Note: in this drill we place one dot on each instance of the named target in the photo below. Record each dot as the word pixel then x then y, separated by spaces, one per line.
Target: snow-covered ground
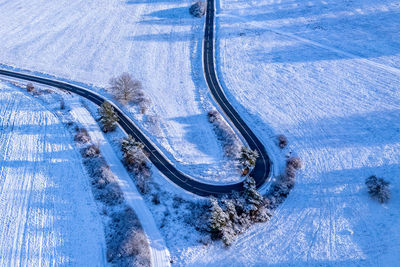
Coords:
pixel 308 69
pixel 48 215
pixel 90 41
pixel 324 73
pixel 158 250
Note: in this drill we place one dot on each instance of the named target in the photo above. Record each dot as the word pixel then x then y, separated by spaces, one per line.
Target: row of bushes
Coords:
pixel 35 91
pixel 126 242
pixel 232 214
pixel 284 183
pixel 126 90
pixel 103 180
pixel 225 134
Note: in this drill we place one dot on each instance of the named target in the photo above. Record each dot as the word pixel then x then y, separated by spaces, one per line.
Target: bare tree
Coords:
pixel 125 88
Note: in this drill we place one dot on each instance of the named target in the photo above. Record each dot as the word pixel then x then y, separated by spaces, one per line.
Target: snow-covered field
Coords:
pixel 157 41
pixel 324 73
pixel 308 69
pixel 48 215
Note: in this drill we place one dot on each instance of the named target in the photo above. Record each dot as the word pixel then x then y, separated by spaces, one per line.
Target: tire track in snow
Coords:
pixel 39 224
pixel 316 44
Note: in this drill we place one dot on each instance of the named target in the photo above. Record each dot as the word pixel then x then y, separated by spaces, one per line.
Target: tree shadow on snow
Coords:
pixel 193 135
pixel 368 129
pixel 362 39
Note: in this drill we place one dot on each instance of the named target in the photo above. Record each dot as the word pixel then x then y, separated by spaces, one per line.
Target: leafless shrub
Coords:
pixel 127 244
pixel 198 9
pixel 177 202
pixel 30 87
pixel 290 171
pixel 282 141
pixel 225 134
pixel 94 169
pixel 82 136
pixel 198 210
pixel 378 188
pixel 142 182
pixel 62 104
pixel 153 122
pixel 110 193
pixel 281 188
pixel 294 162
pixel 105 185
pixel 144 104
pixel 91 151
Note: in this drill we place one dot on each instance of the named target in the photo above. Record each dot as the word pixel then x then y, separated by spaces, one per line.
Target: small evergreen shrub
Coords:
pixel 136 161
pixel 248 158
pixel 108 117
pixel 198 9
pixel 378 188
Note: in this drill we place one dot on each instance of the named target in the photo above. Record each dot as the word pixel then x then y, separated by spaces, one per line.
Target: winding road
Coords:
pixel 260 172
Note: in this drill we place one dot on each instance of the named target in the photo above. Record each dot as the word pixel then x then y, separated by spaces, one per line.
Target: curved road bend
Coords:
pixel 261 171
pixel 156 157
